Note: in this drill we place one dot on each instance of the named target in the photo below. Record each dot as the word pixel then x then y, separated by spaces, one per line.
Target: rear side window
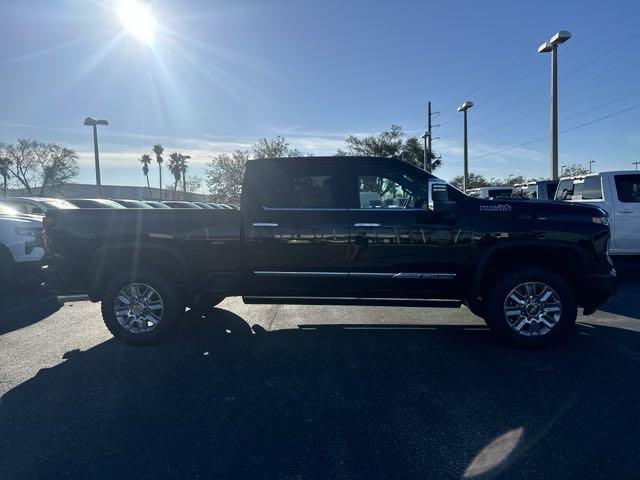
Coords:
pixel 499 192
pixel 564 190
pixel 628 188
pixel 588 189
pixel 303 186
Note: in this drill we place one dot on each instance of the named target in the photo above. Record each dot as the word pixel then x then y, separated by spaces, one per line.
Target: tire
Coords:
pixel 531 320
pixel 7 269
pixel 132 327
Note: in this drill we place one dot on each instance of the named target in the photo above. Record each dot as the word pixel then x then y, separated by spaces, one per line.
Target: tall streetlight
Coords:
pixel 562 167
pixel 591 162
pixel 426 160
pixel 552 46
pixel 92 122
pixel 463 108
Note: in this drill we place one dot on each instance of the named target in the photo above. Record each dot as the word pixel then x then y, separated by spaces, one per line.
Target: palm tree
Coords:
pixel 146 160
pixel 183 171
pixel 174 168
pixel 159 150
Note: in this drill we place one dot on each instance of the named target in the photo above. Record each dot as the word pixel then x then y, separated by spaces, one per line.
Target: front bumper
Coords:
pixel 599 288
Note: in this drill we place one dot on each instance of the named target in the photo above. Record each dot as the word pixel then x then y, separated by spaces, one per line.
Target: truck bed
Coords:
pixel 196 243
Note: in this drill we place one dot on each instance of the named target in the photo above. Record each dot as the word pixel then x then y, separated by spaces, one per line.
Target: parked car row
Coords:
pixel 41 205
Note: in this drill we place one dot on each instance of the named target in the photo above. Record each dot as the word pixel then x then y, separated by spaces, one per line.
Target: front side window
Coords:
pixel 628 188
pixel 388 188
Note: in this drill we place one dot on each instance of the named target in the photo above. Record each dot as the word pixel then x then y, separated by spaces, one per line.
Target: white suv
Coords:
pixel 616 192
pixel 20 244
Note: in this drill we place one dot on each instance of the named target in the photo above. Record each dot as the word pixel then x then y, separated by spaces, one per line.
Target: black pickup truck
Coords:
pixel 338 230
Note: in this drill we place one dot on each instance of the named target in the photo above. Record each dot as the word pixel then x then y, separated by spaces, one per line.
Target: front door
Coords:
pixel 399 248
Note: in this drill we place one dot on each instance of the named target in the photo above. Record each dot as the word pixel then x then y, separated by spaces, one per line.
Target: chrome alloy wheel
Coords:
pixel 532 309
pixel 138 308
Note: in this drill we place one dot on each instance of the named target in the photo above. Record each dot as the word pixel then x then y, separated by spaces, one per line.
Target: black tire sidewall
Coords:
pixel 7 269
pixel 504 284
pixel 173 309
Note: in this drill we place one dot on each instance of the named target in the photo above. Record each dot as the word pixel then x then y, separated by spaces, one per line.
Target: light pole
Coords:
pixel 552 46
pixel 636 164
pixel 426 160
pixel 562 170
pixel 92 122
pixel 591 162
pixel 463 108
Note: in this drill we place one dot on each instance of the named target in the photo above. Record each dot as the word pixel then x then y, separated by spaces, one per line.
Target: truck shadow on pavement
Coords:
pixel 20 309
pixel 220 401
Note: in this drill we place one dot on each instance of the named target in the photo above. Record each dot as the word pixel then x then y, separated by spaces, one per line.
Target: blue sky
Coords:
pixel 220 74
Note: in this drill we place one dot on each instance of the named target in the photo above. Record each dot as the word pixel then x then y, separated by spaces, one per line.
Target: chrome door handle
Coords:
pixel 263 224
pixel 371 225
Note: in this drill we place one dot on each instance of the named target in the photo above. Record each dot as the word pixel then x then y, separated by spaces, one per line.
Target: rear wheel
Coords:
pixel 531 306
pixel 140 308
pixel 7 268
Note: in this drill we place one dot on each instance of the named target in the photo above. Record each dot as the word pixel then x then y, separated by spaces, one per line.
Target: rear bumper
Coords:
pixel 599 288
pixel 53 280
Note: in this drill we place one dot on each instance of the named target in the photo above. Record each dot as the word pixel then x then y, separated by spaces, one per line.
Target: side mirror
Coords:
pixel 439 198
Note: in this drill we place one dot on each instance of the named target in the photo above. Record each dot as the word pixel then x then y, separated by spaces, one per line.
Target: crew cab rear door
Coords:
pixel 296 228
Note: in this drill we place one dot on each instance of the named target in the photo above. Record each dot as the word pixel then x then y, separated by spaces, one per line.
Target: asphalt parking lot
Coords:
pixel 298 392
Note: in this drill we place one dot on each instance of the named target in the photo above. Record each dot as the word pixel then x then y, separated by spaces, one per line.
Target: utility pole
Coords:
pixel 4 165
pixel 428 153
pixel 428 165
pixel 636 164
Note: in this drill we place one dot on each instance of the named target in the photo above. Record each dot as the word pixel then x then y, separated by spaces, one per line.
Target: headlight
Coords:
pixel 600 220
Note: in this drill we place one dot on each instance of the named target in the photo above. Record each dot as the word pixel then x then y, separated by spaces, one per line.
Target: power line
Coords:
pixel 570 129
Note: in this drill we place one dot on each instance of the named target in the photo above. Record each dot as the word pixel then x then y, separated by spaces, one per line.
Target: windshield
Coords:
pixel 4 210
pixel 57 203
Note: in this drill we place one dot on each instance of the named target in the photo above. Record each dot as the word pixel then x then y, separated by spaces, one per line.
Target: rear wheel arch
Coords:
pixel 112 260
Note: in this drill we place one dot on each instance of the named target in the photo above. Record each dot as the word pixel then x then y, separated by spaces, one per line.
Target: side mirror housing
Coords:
pixel 439 198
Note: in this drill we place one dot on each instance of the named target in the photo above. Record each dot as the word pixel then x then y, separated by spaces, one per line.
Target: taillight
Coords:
pixel 47 223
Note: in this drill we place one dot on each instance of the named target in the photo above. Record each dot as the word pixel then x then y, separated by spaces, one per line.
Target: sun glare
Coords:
pixel 137 20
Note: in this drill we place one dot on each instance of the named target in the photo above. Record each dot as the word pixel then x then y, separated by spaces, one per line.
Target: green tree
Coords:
pixel 183 171
pixel 146 160
pixel 277 147
pixel 573 170
pixel 475 181
pixel 224 176
pixel 175 169
pixel 158 150
pixel 413 152
pixel 4 171
pixel 31 163
pixel 388 144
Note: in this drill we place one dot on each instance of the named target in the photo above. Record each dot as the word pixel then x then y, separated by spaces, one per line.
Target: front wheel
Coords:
pixel 531 306
pixel 140 308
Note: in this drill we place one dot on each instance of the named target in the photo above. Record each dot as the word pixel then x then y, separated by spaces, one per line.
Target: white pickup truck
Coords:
pixel 616 192
pixel 20 244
